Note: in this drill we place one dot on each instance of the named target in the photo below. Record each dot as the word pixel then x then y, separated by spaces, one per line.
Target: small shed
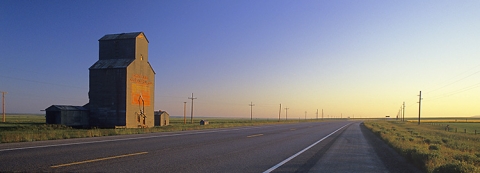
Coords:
pixel 162 118
pixel 204 122
pixel 74 116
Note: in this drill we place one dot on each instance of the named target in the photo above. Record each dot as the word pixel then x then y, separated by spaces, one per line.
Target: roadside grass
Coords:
pixel 25 128
pixel 430 147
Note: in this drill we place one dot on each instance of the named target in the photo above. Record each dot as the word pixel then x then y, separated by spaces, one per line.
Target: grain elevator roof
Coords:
pixel 123 36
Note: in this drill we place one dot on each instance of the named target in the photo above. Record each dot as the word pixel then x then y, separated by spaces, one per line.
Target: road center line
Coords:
pixel 251 136
pixel 99 159
pixel 305 149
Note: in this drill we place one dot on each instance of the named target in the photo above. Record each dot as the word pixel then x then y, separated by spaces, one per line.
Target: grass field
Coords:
pixel 24 128
pixel 459 125
pixel 447 120
pixel 429 146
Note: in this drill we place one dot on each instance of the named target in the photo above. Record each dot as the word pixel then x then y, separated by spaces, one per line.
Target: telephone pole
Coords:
pixel 279 111
pixel 286 113
pixel 184 112
pixel 419 106
pixel 317 114
pixel 403 112
pixel 3 105
pixel 191 115
pixel 305 115
pixel 251 110
pixel 322 114
pixel 399 113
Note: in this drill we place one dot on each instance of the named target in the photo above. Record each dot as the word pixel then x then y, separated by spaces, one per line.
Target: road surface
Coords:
pixel 332 146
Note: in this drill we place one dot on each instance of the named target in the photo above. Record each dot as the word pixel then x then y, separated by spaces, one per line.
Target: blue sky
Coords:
pixel 350 58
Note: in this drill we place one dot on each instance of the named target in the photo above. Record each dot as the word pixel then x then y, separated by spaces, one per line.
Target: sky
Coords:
pixel 350 58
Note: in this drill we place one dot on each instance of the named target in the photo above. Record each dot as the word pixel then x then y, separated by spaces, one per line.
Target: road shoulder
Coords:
pixel 393 161
pixel 351 152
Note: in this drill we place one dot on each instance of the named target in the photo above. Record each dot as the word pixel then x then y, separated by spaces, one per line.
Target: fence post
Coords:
pixel 455 130
pixel 465 130
pixel 475 132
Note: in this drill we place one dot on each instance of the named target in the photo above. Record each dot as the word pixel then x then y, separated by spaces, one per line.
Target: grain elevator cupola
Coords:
pixel 122 83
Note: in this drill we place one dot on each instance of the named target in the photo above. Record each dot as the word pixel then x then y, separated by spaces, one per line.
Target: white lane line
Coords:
pixel 305 149
pixel 126 139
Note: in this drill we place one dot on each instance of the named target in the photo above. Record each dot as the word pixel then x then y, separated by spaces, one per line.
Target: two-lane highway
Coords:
pixel 276 148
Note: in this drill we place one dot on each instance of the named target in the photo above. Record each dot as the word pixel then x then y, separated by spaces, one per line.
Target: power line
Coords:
pixel 455 92
pixel 456 80
pixel 48 83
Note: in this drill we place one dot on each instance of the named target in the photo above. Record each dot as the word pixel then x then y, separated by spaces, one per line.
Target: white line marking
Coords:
pixel 126 139
pixel 300 152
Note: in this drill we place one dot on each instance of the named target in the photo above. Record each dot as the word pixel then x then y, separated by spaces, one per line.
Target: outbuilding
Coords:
pixel 162 118
pixel 74 116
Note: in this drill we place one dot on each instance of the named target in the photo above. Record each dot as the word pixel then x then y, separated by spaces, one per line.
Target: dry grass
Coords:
pixel 431 148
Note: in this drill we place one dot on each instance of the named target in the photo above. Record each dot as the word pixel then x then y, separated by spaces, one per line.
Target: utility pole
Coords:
pixel 322 114
pixel 399 113
pixel 3 105
pixel 191 115
pixel 184 112
pixel 419 106
pixel 279 111
pixel 317 114
pixel 286 113
pixel 403 112
pixel 251 110
pixel 305 115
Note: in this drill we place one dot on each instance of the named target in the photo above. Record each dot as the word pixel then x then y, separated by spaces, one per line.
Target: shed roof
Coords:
pixel 111 63
pixel 129 35
pixel 66 108
pixel 160 112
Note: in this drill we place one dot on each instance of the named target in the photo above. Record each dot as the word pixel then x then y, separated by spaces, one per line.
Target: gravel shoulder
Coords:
pixel 357 149
pixel 393 161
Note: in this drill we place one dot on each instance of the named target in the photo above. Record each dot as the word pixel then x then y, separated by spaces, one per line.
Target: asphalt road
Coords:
pixel 334 146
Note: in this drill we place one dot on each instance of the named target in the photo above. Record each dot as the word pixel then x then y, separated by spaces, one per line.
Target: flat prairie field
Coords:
pixel 459 125
pixel 447 120
pixel 13 120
